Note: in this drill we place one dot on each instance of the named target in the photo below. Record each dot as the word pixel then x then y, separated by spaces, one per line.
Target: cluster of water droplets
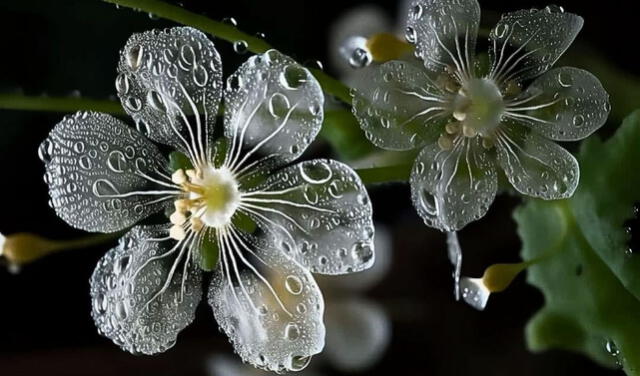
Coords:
pixel 328 213
pixel 275 103
pixel 127 305
pixel 276 323
pixel 93 161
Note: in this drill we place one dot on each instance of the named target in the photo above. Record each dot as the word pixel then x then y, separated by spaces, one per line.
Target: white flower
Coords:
pixel 470 123
pixel 241 201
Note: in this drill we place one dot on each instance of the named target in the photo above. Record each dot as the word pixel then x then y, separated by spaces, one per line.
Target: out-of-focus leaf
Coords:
pixel 590 281
pixel 342 131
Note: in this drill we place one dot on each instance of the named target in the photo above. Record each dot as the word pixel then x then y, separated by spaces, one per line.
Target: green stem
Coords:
pixel 387 174
pixel 227 32
pixel 58 104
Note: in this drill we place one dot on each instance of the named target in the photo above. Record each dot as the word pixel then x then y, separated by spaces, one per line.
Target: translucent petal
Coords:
pixel 324 208
pixel 444 32
pixel 94 167
pixel 565 104
pixel 450 189
pixel 170 82
pixel 527 43
pixel 366 279
pixel 398 106
pixel 273 316
pixel 274 108
pixel 358 334
pixel 536 166
pixel 128 305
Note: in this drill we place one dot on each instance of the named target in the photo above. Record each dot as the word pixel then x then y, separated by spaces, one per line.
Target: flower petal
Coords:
pixel 536 166
pixel 450 189
pixel 324 208
pixel 129 304
pixel 95 170
pixel 565 104
pixel 358 334
pixel 527 43
pixel 398 106
pixel 274 108
pixel 165 78
pixel 272 312
pixel 444 33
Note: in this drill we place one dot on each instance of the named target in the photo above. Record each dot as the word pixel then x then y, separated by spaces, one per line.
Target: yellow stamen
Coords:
pixel 445 142
pixel 196 224
pixel 177 232
pixel 178 218
pixel 386 46
pixel 179 177
pixel 469 131
pixel 453 128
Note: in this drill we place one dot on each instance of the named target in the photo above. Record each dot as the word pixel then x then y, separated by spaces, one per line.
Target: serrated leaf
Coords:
pixel 590 282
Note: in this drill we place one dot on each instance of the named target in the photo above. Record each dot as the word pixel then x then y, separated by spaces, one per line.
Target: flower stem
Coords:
pixel 58 104
pixel 226 32
pixel 387 174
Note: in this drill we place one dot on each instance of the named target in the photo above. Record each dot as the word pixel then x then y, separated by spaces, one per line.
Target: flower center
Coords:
pixel 211 197
pixel 479 105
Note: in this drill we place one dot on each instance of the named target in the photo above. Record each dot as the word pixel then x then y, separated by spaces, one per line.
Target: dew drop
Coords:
pixel 293 284
pixel 45 150
pixel 292 331
pixel 360 58
pixel 134 57
pixel 240 47
pixel 279 105
pixel 293 77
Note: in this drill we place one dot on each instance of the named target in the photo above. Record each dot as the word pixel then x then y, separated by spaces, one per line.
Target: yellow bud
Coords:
pixel 386 46
pixel 498 277
pixel 23 248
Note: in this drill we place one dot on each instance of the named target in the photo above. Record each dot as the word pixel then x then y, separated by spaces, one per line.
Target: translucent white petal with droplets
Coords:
pixel 128 305
pixel 444 32
pixel 565 104
pixel 536 166
pixel 273 108
pixel 398 106
pixel 96 167
pixel 276 326
pixel 165 78
pixel 321 205
pixel 526 43
pixel 453 188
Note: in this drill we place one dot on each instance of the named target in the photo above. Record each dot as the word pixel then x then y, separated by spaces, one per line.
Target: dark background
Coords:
pixel 57 47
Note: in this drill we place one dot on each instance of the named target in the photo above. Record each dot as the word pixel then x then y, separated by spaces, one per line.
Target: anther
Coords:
pixel 469 131
pixel 178 218
pixel 179 177
pixel 177 232
pixel 460 115
pixel 196 224
pixel 445 142
pixel 181 205
pixel 452 128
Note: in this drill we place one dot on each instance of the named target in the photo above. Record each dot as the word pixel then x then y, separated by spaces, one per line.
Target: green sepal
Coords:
pixel 178 160
pixel 244 223
pixel 209 253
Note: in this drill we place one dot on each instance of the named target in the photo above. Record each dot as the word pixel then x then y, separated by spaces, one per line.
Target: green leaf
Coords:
pixel 342 131
pixel 590 281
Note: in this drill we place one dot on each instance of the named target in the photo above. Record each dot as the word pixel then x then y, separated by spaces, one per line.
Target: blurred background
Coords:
pixel 70 48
